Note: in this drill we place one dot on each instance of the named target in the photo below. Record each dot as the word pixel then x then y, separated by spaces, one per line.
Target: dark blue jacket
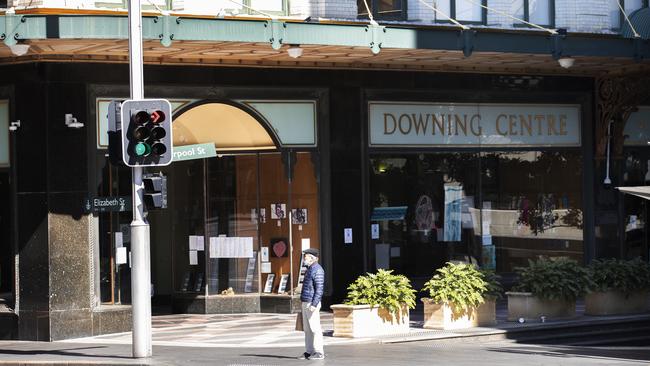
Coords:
pixel 313 284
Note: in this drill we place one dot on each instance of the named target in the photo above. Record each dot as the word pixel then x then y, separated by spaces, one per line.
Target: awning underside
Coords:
pixel 641 191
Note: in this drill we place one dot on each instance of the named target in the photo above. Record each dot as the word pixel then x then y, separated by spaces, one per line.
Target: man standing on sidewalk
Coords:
pixel 312 292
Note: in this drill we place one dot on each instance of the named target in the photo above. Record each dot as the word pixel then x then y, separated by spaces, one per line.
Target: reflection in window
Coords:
pixel 427 209
pixel 532 205
pixel 630 6
pixel 461 10
pixel 534 11
pixel 382 9
pixel 636 172
pixel 420 210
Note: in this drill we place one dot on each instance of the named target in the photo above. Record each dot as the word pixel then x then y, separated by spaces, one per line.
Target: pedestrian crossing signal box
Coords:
pixel 155 191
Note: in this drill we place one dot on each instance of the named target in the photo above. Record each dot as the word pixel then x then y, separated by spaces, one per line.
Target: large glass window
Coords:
pixel 531 206
pixel 114 237
pixel 495 208
pixel 423 210
pixel 240 222
pixel 636 172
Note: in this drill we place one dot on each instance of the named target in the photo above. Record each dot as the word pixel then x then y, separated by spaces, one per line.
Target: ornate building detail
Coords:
pixel 617 97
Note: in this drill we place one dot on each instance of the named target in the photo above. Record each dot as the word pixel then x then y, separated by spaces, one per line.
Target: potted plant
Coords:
pixel 547 288
pixel 460 296
pixel 618 287
pixel 376 304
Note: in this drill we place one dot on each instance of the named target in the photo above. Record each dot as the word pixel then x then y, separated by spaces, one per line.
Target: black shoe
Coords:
pixel 317 356
pixel 304 356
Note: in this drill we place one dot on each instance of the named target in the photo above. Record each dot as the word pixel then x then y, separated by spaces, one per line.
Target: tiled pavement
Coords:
pixel 277 330
pixel 239 330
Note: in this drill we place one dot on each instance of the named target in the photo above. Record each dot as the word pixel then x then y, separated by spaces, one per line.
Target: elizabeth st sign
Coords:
pixel 108 204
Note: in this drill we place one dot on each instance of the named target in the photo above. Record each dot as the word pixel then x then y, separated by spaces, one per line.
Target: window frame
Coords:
pixel 527 15
pixel 452 14
pixel 123 4
pixel 401 14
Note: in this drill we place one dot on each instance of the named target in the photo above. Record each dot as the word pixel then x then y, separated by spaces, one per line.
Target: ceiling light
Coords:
pixel 19 49
pixel 566 62
pixel 294 51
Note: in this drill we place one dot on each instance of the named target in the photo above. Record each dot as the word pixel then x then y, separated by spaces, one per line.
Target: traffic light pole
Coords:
pixel 140 254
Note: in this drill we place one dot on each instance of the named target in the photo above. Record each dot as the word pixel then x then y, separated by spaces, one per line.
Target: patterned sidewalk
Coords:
pixel 239 330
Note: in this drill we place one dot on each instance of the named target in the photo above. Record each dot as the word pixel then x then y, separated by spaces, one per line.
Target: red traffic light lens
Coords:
pixel 157 116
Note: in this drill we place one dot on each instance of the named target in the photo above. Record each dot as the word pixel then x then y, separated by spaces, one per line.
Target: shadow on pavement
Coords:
pixel 622 353
pixel 60 352
pixel 270 356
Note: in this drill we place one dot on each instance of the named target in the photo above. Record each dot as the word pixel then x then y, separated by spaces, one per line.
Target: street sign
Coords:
pixel 191 152
pixel 107 204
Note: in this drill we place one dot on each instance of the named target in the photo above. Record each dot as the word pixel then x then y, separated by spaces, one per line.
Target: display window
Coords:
pixel 494 208
pixel 636 172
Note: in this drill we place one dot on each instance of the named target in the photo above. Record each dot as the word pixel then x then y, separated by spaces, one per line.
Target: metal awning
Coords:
pixel 641 191
pixel 102 36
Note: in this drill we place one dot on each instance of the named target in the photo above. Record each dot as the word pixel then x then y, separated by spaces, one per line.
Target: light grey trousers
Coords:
pixel 313 329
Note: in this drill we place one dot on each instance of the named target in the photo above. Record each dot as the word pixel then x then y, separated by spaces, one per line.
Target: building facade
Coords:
pixel 400 143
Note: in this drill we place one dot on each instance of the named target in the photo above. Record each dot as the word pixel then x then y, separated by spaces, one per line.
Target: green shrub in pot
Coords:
pixel 493 284
pixel 461 286
pixel 553 279
pixel 619 275
pixel 383 289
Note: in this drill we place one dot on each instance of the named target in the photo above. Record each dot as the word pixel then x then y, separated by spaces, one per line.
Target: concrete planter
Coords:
pixel 365 321
pixel 442 316
pixel 615 302
pixel 531 308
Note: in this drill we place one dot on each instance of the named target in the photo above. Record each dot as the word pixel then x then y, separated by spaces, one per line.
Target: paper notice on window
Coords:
pixel 266 267
pixel 305 243
pixel 200 242
pixel 213 247
pixel 120 255
pixel 192 242
pixel 374 231
pixel 265 254
pixel 118 240
pixel 231 247
pixel 194 258
pixel 453 206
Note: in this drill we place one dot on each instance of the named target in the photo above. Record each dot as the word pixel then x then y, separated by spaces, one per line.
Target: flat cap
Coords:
pixel 312 251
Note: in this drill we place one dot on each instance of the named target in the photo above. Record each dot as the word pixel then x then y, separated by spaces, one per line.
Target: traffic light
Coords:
pixel 155 191
pixel 147 132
